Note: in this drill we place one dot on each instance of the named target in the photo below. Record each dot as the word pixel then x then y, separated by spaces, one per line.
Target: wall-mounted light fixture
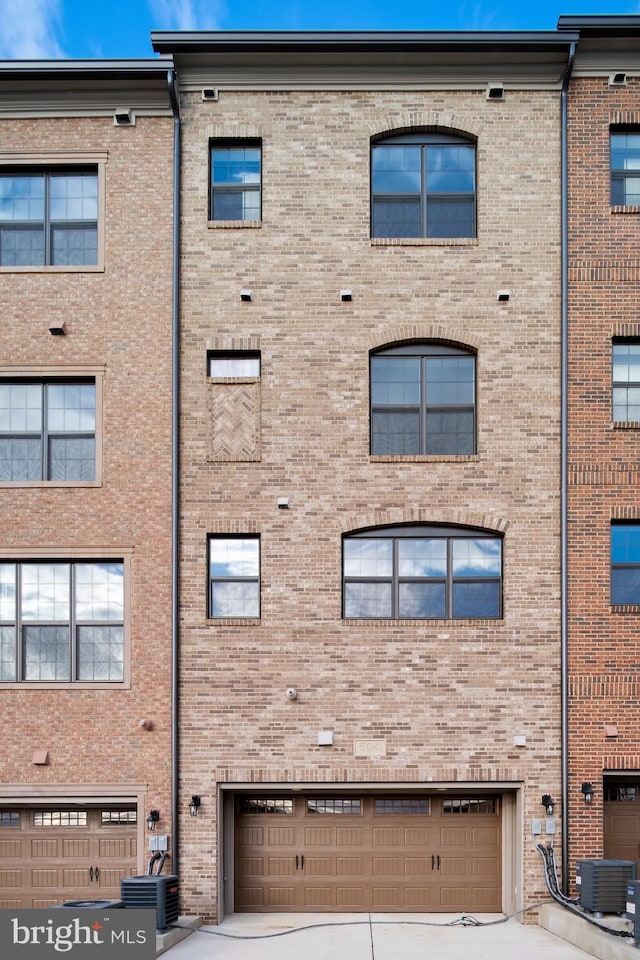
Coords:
pixel 124 117
pixel 547 803
pixel 495 91
pixel 152 819
pixel 587 792
pixel 194 805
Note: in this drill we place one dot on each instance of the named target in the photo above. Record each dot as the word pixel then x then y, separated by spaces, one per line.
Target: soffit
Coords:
pixel 365 60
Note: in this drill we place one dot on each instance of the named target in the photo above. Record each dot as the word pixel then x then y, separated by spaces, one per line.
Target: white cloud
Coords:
pixel 29 29
pixel 186 14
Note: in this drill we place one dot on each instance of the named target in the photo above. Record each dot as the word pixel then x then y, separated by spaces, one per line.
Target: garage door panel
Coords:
pixel 11 849
pixel 385 853
pixel 67 854
pixel 251 836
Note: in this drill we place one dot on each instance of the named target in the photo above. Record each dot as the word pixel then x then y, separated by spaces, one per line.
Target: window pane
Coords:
pixel 20 408
pixel 7 592
pixel 450 169
pixel 477 558
pixel 240 366
pixel 235 599
pixel 21 198
pixel 367 600
pixel 626 362
pixel 74 246
pixel 99 591
pixel 101 653
pixel 450 218
pixel 396 218
pixel 422 600
pixel 74 197
pixel 625 585
pixel 236 557
pixel 368 558
pixel 21 247
pixel 450 432
pixel 395 380
pixel 396 169
pixel 450 380
pixel 625 151
pixel 395 433
pixel 71 459
pixel 20 459
pixel 45 591
pixel 625 543
pixel 7 653
pixel 422 558
pixel 476 600
pixel 46 653
pixel 235 165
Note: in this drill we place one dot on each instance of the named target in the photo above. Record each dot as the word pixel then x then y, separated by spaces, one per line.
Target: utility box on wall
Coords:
pixel 602 884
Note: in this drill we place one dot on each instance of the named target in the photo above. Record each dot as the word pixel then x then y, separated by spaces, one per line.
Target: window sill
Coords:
pixel 633 608
pixel 424 458
pixel 625 425
pixel 234 224
pixel 623 209
pixel 47 484
pixel 234 621
pixel 423 241
pixel 65 685
pixel 432 621
pixel 51 268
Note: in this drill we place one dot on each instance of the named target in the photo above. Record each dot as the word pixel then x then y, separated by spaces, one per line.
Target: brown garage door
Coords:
pixel 362 853
pixel 48 856
pixel 622 821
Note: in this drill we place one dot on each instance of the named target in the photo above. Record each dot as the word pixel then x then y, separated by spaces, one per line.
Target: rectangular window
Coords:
pixel 49 217
pixel 236 171
pixel 625 166
pixel 625 564
pixel 47 430
pixel 62 621
pixel 250 806
pixel 422 577
pixel 234 364
pixel 626 382
pixel 464 806
pixel 60 818
pixel 234 576
pixel 108 817
pixel 341 805
pixel 9 818
pixel 405 806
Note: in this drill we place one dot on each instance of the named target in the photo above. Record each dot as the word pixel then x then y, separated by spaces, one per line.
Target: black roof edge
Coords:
pixel 600 25
pixel 273 40
pixel 86 68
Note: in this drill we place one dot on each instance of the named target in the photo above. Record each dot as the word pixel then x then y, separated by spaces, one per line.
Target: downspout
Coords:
pixel 175 450
pixel 563 472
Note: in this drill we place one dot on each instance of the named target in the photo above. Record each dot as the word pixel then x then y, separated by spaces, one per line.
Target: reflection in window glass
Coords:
pixel 625 564
pixel 626 382
pixel 236 364
pixel 400 576
pixel 234 576
pixel 235 180
pixel 625 167
pixel 69 624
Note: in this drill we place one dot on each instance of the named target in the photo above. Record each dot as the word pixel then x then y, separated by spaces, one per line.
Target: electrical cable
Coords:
pixel 570 904
pixel 465 920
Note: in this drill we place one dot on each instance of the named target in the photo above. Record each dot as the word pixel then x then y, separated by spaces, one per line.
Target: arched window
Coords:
pixel 423 185
pixel 422 572
pixel 423 400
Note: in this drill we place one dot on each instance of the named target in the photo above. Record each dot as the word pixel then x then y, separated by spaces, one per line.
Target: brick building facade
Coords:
pixel 602 475
pixel 370 575
pixel 85 474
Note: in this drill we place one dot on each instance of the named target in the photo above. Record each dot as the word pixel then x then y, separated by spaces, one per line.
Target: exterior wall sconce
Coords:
pixel 152 819
pixel 548 804
pixel 194 805
pixel 587 792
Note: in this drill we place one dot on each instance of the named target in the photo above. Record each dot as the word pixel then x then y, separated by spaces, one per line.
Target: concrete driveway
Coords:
pixel 374 937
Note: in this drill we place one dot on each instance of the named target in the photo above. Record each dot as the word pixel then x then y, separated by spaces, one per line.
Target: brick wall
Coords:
pixel 604 275
pixel 119 318
pixel 445 697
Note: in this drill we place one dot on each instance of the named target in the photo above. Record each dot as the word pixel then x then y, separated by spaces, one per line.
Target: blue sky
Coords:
pixel 113 29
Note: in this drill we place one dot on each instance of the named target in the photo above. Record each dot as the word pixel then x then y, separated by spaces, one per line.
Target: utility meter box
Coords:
pixel 602 884
pixel 633 907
